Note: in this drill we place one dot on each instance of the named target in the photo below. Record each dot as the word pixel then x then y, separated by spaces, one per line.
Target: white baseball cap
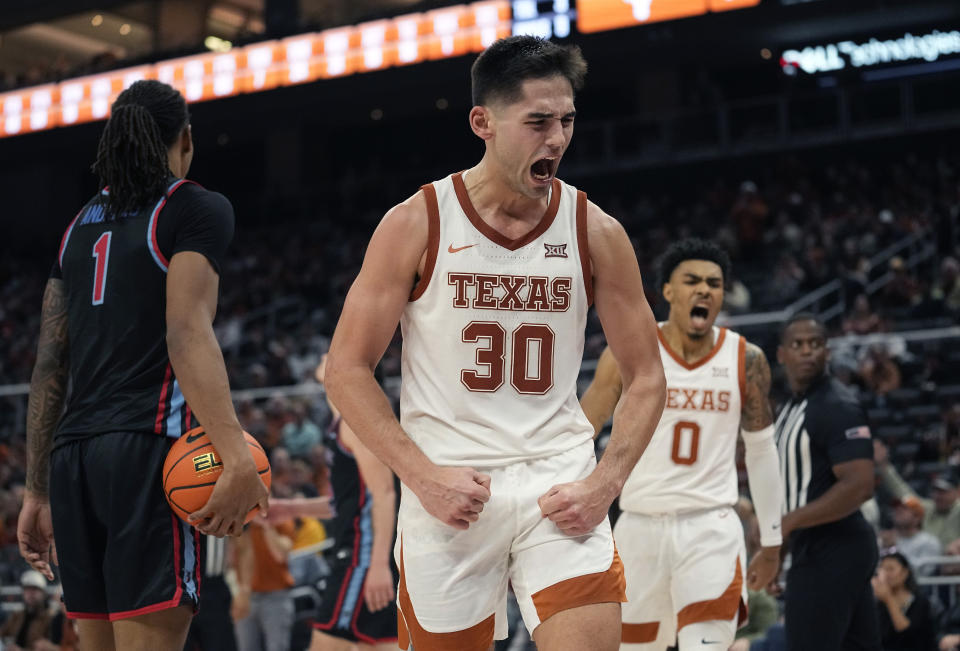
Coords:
pixel 33 579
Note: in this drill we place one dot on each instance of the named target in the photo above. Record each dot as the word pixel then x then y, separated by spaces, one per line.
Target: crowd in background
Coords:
pixel 791 227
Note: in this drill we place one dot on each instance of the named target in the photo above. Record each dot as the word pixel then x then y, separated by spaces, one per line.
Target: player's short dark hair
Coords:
pixel 500 70
pixel 145 120
pixel 692 248
pixel 802 316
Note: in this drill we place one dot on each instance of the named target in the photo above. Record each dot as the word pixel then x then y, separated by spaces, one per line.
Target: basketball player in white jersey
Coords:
pixel 681 542
pixel 490 273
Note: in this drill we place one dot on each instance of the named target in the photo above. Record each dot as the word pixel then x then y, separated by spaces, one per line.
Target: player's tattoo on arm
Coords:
pixel 48 385
pixel 756 413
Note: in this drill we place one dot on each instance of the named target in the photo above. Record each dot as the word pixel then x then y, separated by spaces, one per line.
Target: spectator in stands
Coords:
pixel 941 514
pixel 300 434
pixel 262 607
pixel 909 539
pixel 307 568
pixel 906 621
pixel 903 290
pixel 24 628
pixel 880 373
pixel 749 214
pixel 737 297
pixel 862 319
pixel 950 619
pixel 788 274
pixel 277 412
pixel 281 470
pixel 62 635
pixel 947 289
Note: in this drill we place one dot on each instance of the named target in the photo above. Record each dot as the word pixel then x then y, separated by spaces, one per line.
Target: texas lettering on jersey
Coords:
pixel 697 399
pixel 510 293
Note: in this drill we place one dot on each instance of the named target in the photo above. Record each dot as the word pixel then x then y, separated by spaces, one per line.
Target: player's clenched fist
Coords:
pixel 577 507
pixel 455 496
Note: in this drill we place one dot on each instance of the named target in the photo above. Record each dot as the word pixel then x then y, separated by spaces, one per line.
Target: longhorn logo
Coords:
pixel 641 9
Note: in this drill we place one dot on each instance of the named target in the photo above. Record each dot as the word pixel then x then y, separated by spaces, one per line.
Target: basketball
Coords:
pixel 192 468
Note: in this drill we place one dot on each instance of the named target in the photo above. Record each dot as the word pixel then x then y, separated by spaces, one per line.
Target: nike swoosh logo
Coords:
pixel 702 641
pixel 450 248
pixel 193 437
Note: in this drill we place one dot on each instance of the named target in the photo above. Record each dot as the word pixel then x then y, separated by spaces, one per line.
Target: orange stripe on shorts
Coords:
pixel 476 638
pixel 639 633
pixel 601 587
pixel 723 608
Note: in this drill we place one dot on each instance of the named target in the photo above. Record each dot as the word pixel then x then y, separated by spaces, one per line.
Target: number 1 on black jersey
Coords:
pixel 101 252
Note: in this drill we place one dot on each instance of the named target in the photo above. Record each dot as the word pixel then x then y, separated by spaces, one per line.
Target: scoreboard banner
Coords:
pixel 601 15
pixel 408 39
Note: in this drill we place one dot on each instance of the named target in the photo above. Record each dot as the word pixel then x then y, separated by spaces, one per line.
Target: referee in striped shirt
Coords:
pixel 826 461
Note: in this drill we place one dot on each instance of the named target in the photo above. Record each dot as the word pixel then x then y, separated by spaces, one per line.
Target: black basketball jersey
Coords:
pixel 351 525
pixel 114 274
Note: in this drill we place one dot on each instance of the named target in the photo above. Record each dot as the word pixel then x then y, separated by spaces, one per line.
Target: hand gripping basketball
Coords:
pixel 192 469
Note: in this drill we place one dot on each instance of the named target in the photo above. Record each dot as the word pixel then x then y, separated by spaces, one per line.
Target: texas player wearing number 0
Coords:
pixel 681 542
pixel 490 273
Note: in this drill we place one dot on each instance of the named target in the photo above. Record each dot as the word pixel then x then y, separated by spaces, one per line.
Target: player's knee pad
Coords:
pixel 707 636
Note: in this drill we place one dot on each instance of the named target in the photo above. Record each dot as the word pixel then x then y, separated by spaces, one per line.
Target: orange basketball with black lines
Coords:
pixel 192 468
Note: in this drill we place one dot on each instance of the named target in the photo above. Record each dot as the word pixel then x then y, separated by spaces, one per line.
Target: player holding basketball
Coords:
pixel 490 273
pixel 127 315
pixel 356 605
pixel 682 544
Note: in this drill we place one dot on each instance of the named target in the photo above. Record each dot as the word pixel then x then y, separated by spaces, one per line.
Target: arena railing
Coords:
pixel 757 125
pixel 828 300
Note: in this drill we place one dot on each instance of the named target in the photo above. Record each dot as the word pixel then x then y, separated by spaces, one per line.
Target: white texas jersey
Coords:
pixel 690 463
pixel 493 333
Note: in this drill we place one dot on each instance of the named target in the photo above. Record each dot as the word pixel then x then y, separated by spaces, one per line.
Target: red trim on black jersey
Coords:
pixel 154 219
pixel 66 236
pixel 162 407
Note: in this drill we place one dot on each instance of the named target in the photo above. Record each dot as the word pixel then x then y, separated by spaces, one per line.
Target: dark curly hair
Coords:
pixel 691 248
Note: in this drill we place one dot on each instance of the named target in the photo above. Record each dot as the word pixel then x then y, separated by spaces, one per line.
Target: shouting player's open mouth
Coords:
pixel 543 170
pixel 698 317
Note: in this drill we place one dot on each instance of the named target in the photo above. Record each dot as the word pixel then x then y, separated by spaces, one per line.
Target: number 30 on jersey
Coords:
pixel 531 364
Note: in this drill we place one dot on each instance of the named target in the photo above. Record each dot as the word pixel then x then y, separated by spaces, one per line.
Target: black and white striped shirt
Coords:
pixel 815 431
pixel 215 556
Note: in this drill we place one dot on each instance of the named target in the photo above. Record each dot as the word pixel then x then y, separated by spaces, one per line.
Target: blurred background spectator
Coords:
pixel 906 620
pixel 30 624
pixel 262 606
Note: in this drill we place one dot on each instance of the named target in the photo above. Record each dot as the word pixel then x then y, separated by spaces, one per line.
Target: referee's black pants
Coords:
pixel 829 601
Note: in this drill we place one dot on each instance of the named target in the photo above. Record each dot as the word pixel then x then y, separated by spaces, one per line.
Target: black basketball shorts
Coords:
pixel 122 552
pixel 343 611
